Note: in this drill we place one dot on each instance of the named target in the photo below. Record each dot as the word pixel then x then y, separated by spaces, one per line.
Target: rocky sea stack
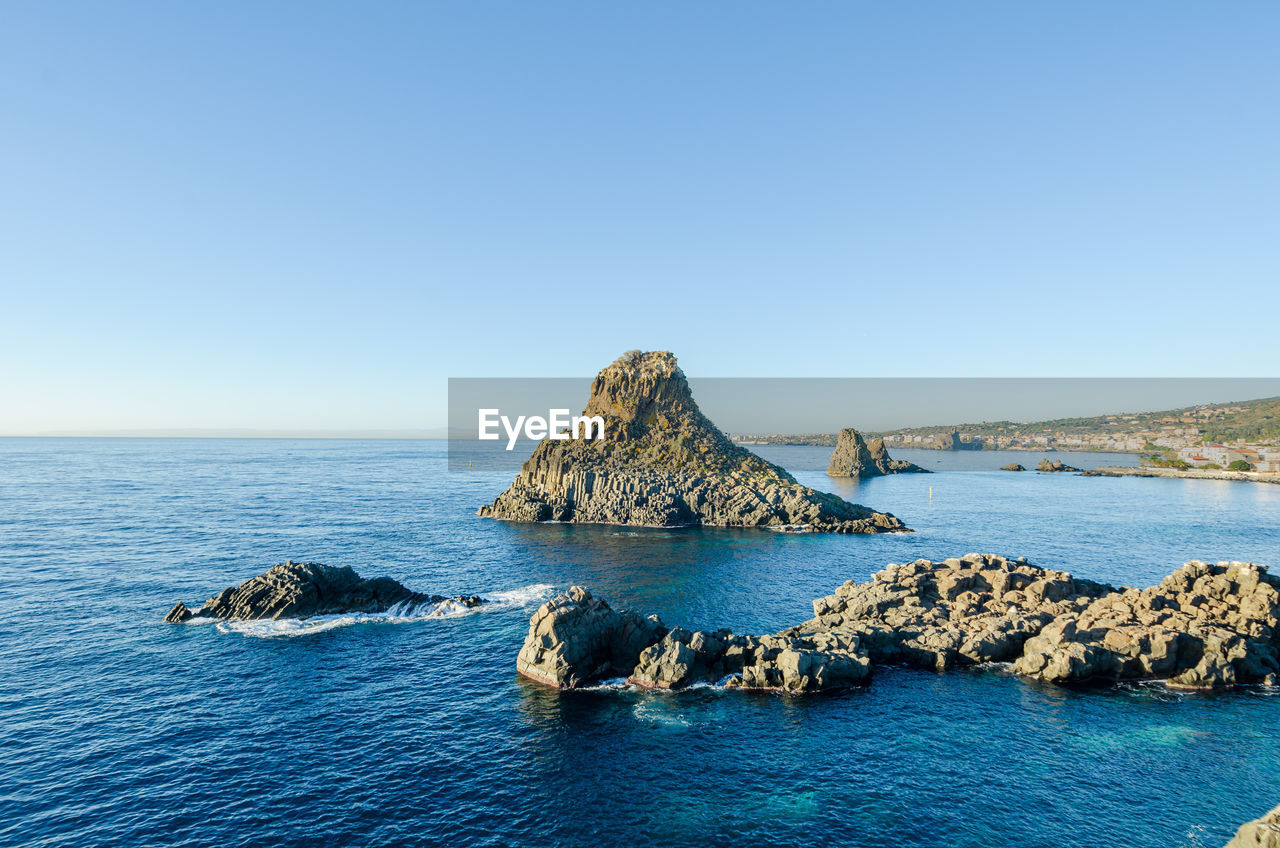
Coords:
pixel 1204 626
pixel 304 589
pixel 662 463
pixel 861 458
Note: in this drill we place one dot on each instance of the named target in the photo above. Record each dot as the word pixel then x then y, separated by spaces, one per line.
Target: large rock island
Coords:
pixel 856 457
pixel 1204 626
pixel 662 463
pixel 304 589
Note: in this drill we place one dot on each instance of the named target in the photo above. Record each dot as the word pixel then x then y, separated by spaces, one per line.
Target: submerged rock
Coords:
pixel 856 457
pixel 1052 466
pixel 1013 466
pixel 662 463
pixel 1260 833
pixel 575 639
pixel 304 589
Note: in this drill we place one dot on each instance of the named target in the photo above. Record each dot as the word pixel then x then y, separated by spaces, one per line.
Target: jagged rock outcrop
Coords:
pixel 1203 626
pixel 1053 466
pixel 304 589
pixel 662 463
pixel 575 639
pixel 962 611
pixel 861 458
pixel 1260 833
pixel 784 663
pixel 1013 466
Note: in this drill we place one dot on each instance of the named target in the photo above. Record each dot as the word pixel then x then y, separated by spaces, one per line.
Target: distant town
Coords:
pixel 1227 436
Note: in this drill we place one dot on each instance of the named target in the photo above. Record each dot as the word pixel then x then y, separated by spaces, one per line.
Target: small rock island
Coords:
pixel 856 457
pixel 1013 466
pixel 1054 466
pixel 1204 626
pixel 662 463
pixel 304 589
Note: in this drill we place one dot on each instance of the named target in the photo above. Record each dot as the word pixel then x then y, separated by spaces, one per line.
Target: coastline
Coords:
pixel 1193 474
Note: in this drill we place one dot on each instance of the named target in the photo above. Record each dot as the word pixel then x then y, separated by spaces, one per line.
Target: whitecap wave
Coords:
pixel 399 614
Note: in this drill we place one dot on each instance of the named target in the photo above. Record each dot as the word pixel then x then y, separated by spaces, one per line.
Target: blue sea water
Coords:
pixel 119 730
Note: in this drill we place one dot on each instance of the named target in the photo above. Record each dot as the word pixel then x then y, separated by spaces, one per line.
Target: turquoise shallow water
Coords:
pixel 118 730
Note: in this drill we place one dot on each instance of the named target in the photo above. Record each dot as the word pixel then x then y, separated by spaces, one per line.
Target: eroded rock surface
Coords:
pixel 857 457
pixel 662 463
pixel 1204 626
pixel 973 609
pixel 1260 833
pixel 304 589
pixel 785 663
pixel 575 639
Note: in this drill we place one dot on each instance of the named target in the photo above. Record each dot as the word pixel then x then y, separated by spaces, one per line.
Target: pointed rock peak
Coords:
pixel 639 385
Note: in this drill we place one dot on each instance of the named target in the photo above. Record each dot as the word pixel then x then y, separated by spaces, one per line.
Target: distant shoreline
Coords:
pixel 1193 474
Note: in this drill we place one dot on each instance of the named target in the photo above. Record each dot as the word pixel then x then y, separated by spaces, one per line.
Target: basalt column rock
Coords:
pixel 860 458
pixel 662 463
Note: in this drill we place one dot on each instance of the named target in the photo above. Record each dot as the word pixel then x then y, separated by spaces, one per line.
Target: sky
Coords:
pixel 307 216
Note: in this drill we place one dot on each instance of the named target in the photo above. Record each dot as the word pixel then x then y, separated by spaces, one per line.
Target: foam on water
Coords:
pixel 399 614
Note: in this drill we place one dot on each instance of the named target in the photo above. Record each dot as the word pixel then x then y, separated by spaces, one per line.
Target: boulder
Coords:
pixel 662 463
pixel 303 589
pixel 575 639
pixel 1013 466
pixel 860 458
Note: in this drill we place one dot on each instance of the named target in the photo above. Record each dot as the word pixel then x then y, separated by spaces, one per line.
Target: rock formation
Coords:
pixel 301 590
pixel 662 463
pixel 963 611
pixel 1259 833
pixel 856 457
pixel 1054 465
pixel 1013 466
pixel 1205 626
pixel 575 639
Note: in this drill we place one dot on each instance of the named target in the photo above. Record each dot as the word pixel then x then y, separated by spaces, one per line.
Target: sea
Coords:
pixel 413 729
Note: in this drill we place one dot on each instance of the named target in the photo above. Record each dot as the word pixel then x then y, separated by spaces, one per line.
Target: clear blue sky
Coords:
pixel 308 215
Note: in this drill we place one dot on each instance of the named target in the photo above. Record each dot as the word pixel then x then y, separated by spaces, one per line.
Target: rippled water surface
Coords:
pixel 118 730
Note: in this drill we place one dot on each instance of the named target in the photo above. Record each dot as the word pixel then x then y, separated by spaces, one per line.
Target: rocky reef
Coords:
pixel 1013 466
pixel 1053 466
pixel 575 639
pixel 304 589
pixel 1204 626
pixel 854 456
pixel 1260 833
pixel 661 462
